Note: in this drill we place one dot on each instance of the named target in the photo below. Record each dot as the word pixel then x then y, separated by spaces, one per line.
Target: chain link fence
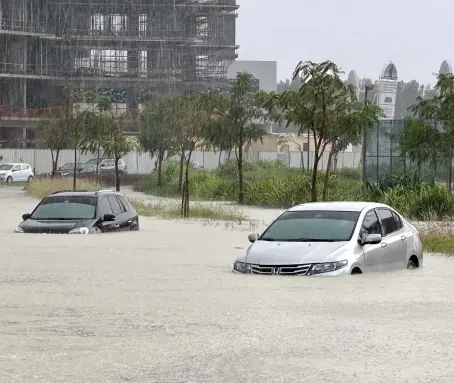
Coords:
pixel 383 157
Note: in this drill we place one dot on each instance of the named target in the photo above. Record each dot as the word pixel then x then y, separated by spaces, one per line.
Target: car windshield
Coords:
pixel 93 161
pixel 6 167
pixel 108 163
pixel 66 208
pixel 312 226
pixel 69 166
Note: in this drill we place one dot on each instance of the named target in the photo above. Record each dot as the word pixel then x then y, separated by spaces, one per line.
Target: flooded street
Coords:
pixel 161 305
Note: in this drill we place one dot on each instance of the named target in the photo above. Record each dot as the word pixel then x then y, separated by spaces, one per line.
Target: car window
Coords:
pixel 6 167
pixel 116 208
pixel 398 221
pixel 387 221
pixel 104 207
pixel 16 168
pixel 312 226
pixel 25 167
pixel 371 224
pixel 124 205
pixel 66 208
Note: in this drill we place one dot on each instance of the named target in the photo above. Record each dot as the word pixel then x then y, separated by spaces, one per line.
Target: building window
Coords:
pixel 388 100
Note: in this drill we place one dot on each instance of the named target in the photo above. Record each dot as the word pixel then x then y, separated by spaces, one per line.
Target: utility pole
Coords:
pixel 367 88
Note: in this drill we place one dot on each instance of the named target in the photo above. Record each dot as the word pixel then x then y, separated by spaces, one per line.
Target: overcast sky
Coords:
pixel 357 34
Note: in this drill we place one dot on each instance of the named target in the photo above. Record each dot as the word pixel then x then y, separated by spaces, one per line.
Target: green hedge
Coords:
pixel 272 183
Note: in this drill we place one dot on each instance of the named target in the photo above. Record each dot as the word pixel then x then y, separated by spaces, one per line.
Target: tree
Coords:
pixel 237 125
pixel 117 144
pixel 438 111
pixel 194 115
pixel 157 130
pixel 54 135
pixel 95 125
pixel 324 104
pixel 420 142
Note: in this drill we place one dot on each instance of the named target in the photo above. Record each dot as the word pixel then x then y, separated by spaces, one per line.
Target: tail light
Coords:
pixel 420 236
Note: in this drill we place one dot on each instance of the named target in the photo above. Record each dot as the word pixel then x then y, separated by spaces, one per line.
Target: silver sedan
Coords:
pixel 333 238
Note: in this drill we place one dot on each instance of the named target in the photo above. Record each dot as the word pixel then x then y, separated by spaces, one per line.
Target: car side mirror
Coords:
pixel 372 239
pixel 252 237
pixel 108 218
pixel 26 216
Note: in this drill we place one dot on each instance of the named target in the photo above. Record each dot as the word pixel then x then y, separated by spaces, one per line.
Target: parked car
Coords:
pixel 16 172
pixel 80 212
pixel 68 169
pixel 107 165
pixel 195 165
pixel 334 238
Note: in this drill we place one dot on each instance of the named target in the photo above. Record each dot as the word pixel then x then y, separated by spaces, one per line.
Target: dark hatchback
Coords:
pixel 81 212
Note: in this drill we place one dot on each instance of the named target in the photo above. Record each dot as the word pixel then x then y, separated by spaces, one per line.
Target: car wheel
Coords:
pixel 9 180
pixel 411 264
pixel 356 271
pixel 30 179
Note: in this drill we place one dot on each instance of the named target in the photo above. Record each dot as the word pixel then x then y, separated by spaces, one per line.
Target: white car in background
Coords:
pixel 16 172
pixel 334 238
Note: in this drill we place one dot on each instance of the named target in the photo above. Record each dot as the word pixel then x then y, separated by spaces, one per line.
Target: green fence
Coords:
pixel 383 158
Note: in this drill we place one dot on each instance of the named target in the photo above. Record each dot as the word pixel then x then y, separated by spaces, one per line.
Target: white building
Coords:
pixel 264 71
pixel 387 90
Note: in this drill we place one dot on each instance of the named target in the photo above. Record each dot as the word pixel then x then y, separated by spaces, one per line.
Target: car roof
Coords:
pixel 81 193
pixel 337 206
pixel 14 163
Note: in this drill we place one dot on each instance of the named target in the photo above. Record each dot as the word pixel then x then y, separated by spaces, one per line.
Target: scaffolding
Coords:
pixel 117 47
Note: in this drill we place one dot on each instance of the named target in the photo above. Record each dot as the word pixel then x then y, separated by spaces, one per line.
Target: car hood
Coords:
pixel 53 226
pixel 4 171
pixel 290 253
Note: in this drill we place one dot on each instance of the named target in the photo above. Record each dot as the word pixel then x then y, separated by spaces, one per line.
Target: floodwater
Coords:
pixel 161 305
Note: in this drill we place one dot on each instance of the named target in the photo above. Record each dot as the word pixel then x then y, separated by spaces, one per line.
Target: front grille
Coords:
pixel 280 269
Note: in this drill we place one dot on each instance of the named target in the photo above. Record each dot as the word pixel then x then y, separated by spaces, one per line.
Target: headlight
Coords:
pixel 242 267
pixel 328 267
pixel 79 230
pixel 18 230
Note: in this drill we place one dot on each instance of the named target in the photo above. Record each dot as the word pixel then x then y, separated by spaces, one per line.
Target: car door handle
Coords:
pixel 403 238
pixel 383 244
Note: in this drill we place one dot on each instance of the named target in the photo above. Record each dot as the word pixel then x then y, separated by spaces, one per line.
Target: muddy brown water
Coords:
pixel 161 305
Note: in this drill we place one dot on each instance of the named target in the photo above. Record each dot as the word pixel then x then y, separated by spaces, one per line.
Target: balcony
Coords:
pixel 26 27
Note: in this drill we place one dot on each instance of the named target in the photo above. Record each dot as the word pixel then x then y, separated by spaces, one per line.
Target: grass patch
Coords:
pixel 42 187
pixel 442 244
pixel 196 210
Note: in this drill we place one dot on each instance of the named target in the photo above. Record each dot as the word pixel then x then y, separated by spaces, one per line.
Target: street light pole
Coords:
pixel 367 88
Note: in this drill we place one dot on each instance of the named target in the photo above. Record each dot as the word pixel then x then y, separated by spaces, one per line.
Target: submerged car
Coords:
pixel 80 212
pixel 333 238
pixel 16 172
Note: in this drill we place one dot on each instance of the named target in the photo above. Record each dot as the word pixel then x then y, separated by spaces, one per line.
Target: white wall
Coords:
pixel 141 163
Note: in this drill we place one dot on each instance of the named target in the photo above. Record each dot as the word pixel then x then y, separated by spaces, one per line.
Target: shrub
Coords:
pixel 272 183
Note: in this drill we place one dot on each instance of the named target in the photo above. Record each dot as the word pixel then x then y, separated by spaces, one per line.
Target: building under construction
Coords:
pixel 116 47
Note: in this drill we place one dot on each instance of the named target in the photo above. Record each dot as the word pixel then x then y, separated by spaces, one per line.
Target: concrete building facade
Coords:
pixel 116 47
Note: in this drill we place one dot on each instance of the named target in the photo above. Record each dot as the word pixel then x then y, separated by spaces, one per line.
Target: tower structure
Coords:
pixel 387 90
pixel 353 79
pixel 116 47
pixel 445 67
